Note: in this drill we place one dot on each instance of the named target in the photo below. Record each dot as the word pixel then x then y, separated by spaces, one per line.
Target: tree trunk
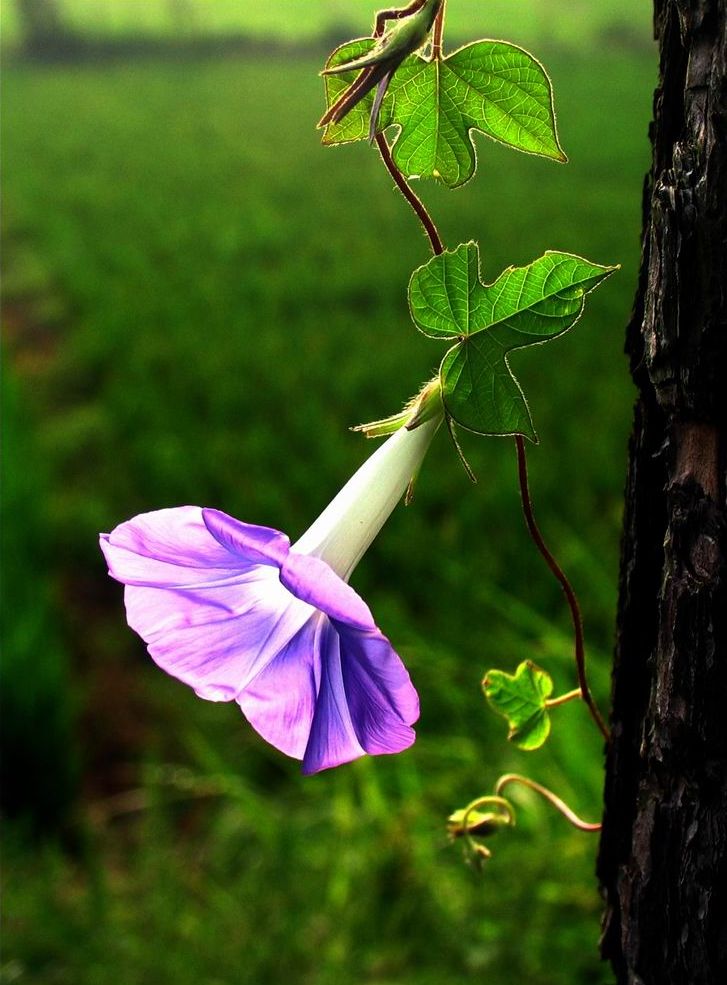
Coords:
pixel 663 853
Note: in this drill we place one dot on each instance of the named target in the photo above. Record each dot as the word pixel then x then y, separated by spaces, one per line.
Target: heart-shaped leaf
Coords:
pixel 521 698
pixel 525 306
pixel 490 86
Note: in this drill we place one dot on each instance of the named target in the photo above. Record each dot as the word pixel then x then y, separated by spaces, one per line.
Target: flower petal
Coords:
pixel 313 581
pixel 366 702
pixel 213 625
pixel 280 701
pixel 174 548
pixel 380 695
pixel 247 541
pixel 216 638
pixel 332 738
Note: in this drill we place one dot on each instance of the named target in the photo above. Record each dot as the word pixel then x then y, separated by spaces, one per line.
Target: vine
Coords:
pixel 237 612
pixel 523 698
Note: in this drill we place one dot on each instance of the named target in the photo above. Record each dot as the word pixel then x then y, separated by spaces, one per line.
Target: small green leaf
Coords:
pixel 525 306
pixel 490 86
pixel 522 699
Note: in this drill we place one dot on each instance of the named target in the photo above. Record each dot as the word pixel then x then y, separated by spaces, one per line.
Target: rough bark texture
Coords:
pixel 663 854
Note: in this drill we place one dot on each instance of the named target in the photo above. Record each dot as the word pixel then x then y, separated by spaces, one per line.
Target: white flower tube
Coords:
pixel 348 525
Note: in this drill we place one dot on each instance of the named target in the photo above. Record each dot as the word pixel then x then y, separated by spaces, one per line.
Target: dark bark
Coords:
pixel 663 853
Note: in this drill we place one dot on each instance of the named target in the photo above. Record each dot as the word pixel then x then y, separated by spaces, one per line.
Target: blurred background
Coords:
pixel 193 291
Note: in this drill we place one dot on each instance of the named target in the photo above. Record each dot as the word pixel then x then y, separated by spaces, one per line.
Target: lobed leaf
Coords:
pixel 491 87
pixel 521 698
pixel 524 306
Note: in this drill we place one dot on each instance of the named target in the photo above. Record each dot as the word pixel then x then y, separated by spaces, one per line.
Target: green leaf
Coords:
pixel 489 86
pixel 525 306
pixel 521 698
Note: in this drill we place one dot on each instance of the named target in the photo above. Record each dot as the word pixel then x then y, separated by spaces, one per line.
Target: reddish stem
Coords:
pixel 438 33
pixel 394 15
pixel 410 195
pixel 558 573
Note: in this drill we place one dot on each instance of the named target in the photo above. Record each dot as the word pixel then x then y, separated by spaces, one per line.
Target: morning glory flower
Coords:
pixel 237 613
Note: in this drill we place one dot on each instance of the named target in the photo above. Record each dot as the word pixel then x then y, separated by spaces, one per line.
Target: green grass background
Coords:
pixel 569 21
pixel 198 301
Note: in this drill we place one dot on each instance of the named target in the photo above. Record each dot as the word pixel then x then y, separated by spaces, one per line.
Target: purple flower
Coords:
pixel 234 611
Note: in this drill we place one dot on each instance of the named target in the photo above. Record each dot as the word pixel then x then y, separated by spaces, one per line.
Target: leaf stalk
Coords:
pixel 564 698
pixel 438 34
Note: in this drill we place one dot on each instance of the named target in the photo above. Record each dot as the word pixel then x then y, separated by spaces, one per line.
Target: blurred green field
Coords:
pixel 194 293
pixel 568 22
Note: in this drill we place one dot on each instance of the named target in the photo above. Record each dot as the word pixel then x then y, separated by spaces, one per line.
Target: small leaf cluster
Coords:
pixel 433 106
